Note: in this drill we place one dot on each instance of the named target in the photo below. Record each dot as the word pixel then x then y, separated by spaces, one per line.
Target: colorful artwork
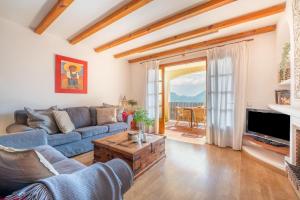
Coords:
pixel 70 75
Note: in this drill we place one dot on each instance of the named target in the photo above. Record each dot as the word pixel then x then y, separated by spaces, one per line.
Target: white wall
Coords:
pixel 262 73
pixel 27 72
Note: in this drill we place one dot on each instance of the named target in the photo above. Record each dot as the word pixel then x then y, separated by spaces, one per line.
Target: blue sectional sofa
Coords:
pixel 78 141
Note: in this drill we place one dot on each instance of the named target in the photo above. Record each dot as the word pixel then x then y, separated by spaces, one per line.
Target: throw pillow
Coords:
pixel 125 116
pixel 120 110
pixel 19 168
pixel 42 119
pixel 106 115
pixel 63 121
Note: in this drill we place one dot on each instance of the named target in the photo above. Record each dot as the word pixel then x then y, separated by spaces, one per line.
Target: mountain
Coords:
pixel 199 98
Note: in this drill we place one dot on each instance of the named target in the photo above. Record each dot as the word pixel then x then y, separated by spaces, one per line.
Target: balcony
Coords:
pixel 182 130
pixel 173 105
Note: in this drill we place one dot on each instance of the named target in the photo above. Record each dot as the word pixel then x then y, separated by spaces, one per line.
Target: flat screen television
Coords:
pixel 268 125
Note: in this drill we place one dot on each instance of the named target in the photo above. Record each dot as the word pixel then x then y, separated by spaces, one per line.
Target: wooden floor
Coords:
pixel 196 172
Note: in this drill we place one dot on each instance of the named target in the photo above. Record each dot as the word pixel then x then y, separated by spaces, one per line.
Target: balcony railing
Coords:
pixel 173 105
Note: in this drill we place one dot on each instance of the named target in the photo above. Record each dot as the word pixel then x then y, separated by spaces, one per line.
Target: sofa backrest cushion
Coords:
pixel 120 110
pixel 93 112
pixel 80 116
pixel 106 115
pixel 42 119
pixel 63 121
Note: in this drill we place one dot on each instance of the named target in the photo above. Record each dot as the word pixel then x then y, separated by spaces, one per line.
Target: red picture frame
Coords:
pixel 70 75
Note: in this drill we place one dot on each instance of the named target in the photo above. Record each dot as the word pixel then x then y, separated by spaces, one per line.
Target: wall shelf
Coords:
pixel 286 109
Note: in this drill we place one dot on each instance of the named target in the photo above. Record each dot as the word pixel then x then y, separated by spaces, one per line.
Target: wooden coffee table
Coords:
pixel 139 156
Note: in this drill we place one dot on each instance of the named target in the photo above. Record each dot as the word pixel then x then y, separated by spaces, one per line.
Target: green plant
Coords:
pixel 285 57
pixel 140 115
pixel 141 118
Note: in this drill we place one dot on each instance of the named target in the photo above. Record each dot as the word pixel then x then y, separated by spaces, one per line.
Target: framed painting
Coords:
pixel 70 75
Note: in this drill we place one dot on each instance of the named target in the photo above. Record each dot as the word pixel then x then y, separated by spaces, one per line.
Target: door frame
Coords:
pixel 162 67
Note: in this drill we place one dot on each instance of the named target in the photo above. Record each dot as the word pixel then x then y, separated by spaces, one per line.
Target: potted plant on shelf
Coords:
pixel 285 63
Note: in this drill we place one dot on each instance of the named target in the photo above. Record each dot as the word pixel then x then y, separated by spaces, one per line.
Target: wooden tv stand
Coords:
pixel 268 154
pixel 281 150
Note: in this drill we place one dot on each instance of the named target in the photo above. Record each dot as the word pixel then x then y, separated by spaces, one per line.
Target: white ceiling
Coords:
pixel 84 12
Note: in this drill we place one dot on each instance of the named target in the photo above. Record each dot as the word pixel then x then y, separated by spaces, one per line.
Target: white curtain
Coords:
pixel 226 95
pixel 152 92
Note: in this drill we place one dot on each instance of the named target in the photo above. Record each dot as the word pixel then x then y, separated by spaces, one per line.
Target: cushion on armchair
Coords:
pixel 99 181
pixel 50 154
pixel 19 168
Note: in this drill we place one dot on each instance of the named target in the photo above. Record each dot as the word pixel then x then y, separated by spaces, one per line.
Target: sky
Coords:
pixel 188 85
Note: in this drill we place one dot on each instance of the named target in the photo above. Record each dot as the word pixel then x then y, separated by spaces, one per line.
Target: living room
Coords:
pixel 84 88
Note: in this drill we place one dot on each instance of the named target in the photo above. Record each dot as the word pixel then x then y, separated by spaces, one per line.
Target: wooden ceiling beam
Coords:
pixel 113 17
pixel 205 30
pixel 168 41
pixel 207 43
pixel 52 15
pixel 183 15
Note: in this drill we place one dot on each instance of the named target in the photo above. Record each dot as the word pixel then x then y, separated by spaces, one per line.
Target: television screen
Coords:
pixel 268 123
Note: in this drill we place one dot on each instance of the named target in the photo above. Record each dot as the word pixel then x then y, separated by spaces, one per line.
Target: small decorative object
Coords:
pixel 282 97
pixel 144 138
pixel 132 102
pixel 285 71
pixel 124 102
pixel 133 136
pixel 70 75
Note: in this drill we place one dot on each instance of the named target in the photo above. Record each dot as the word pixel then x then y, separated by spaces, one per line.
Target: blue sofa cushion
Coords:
pixel 80 147
pixel 68 166
pixel 118 126
pixel 80 116
pixel 51 154
pixel 92 130
pixel 63 138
